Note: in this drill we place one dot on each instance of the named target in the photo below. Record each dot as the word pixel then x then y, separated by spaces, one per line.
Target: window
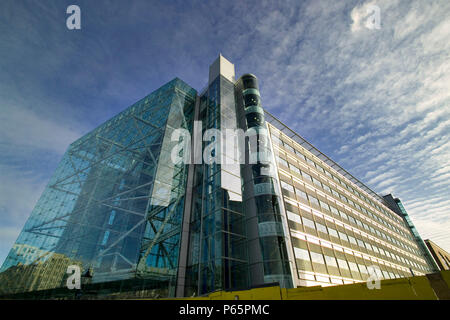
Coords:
pixel 335 193
pixel 317 257
pixel 360 243
pixel 317 182
pixel 324 205
pixel 352 240
pixel 301 194
pixel 309 161
pixel 363 269
pixel 301 254
pixel 287 186
pixel 332 232
pixel 295 169
pixel 322 279
pixel 377 272
pixel 306 176
pixel 294 217
pixel 313 200
pixel 334 210
pixel 321 228
pixel 309 223
pixel 282 161
pixel 342 264
pixel 289 148
pixel 331 261
pixel 353 267
pixel 445 259
pixel 300 155
pixel 326 188
pixel 343 215
pixel 343 236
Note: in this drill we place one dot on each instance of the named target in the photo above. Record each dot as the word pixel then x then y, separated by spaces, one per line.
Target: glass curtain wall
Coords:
pixel 113 205
pixel 217 254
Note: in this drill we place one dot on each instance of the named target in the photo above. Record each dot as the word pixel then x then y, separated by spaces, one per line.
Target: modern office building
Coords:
pixel 441 256
pixel 397 206
pixel 257 207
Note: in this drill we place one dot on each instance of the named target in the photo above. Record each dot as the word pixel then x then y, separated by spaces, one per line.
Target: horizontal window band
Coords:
pixel 254 109
pixel 251 91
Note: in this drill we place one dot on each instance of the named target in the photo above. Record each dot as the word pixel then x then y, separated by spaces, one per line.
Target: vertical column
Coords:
pixel 185 226
pixel 268 258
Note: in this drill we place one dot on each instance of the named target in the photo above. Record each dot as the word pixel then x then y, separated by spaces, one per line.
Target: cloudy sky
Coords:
pixel 377 101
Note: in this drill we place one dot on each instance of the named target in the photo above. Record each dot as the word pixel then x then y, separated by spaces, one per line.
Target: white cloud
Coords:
pixel 7 237
pixel 437 39
pixel 24 137
pixel 22 127
pixel 378 99
pixel 19 192
pixel 438 232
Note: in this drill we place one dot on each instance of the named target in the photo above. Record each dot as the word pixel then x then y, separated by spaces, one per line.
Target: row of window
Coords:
pixel 344 216
pixel 342 264
pixel 445 259
pixel 314 225
pixel 337 195
pixel 361 196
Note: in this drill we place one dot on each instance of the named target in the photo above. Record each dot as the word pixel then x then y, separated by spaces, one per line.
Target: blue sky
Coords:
pixel 375 101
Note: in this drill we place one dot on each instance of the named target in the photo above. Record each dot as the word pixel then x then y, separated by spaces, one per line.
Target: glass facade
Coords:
pixel 217 247
pixel 115 203
pixel 276 211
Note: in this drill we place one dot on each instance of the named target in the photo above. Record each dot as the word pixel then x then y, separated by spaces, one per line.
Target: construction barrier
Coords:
pixel 431 287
